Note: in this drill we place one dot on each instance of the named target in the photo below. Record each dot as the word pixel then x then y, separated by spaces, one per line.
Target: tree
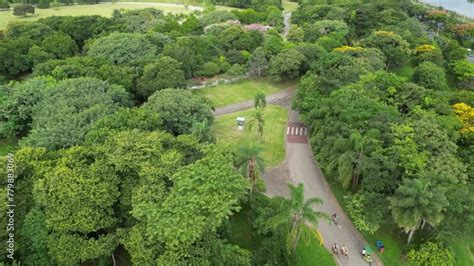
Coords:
pixel 287 64
pixel 35 234
pixel 417 202
pixel 203 196
pixel 464 73
pixel 202 131
pixel 257 119
pixel 258 63
pixel 394 47
pixel 295 34
pixel 430 76
pixel 298 212
pixel 179 109
pixel 43 4
pixel 431 253
pixel 274 16
pixel 59 45
pixel 17 104
pixel 121 120
pixel 334 29
pixel 163 73
pixel 75 67
pixel 123 48
pixel 66 112
pixel 272 45
pixel 260 102
pixel 209 69
pixel 23 10
pixel 80 214
pixel 251 164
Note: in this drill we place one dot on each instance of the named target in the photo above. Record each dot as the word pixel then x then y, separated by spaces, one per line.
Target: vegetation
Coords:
pixel 272 140
pixel 244 90
pixel 117 160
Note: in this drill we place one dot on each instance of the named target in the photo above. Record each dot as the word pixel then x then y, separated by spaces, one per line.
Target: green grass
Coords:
pixel 103 9
pixel 241 230
pixel 290 6
pixel 309 253
pixel 272 141
pixel 240 91
pixel 7 145
pixel 463 250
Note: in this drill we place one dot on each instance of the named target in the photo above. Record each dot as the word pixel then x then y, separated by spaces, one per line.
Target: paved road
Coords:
pixel 281 97
pixel 301 167
pixel 286 22
pixel 471 59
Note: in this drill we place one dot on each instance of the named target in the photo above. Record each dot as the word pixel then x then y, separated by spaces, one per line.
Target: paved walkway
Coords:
pixel 281 97
pixel 301 167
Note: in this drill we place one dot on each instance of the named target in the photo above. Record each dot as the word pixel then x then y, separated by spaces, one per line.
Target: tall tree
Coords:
pixel 417 202
pixel 297 213
pixel 251 164
pixel 257 120
pixel 259 101
pixel 258 63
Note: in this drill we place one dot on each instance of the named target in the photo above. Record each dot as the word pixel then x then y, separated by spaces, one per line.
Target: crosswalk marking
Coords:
pixel 296 131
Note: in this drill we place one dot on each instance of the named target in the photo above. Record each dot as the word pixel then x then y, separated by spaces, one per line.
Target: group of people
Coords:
pixel 343 250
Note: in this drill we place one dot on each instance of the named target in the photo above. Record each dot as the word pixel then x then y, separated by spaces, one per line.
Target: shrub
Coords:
pixel 209 69
pixel 431 253
pixel 23 10
pixel 4 5
pixel 43 4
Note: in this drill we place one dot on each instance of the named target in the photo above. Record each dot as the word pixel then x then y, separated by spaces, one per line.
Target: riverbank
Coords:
pixel 464 12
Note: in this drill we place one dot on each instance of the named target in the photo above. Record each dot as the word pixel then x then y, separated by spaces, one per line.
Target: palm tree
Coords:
pixel 257 119
pixel 302 212
pixel 347 164
pixel 202 131
pixel 251 164
pixel 297 213
pixel 259 101
pixel 415 203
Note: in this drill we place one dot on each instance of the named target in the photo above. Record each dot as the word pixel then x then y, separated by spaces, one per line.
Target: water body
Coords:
pixel 462 7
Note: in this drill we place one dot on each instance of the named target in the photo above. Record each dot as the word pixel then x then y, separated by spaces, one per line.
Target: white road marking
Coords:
pixel 292 129
pixel 288 131
pixel 296 131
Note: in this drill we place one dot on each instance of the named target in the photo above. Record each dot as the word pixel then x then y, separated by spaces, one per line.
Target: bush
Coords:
pixel 209 69
pixel 4 6
pixel 356 210
pixel 55 4
pixel 43 4
pixel 23 10
pixel 236 70
pixel 431 253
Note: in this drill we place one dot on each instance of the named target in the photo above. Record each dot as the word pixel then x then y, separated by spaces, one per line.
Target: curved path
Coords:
pixel 301 167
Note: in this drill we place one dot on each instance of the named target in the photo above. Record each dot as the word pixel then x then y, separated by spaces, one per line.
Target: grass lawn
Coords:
pixel 272 141
pixel 312 253
pixel 241 230
pixel 103 9
pixel 290 6
pixel 7 145
pixel 240 91
pixel 463 250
